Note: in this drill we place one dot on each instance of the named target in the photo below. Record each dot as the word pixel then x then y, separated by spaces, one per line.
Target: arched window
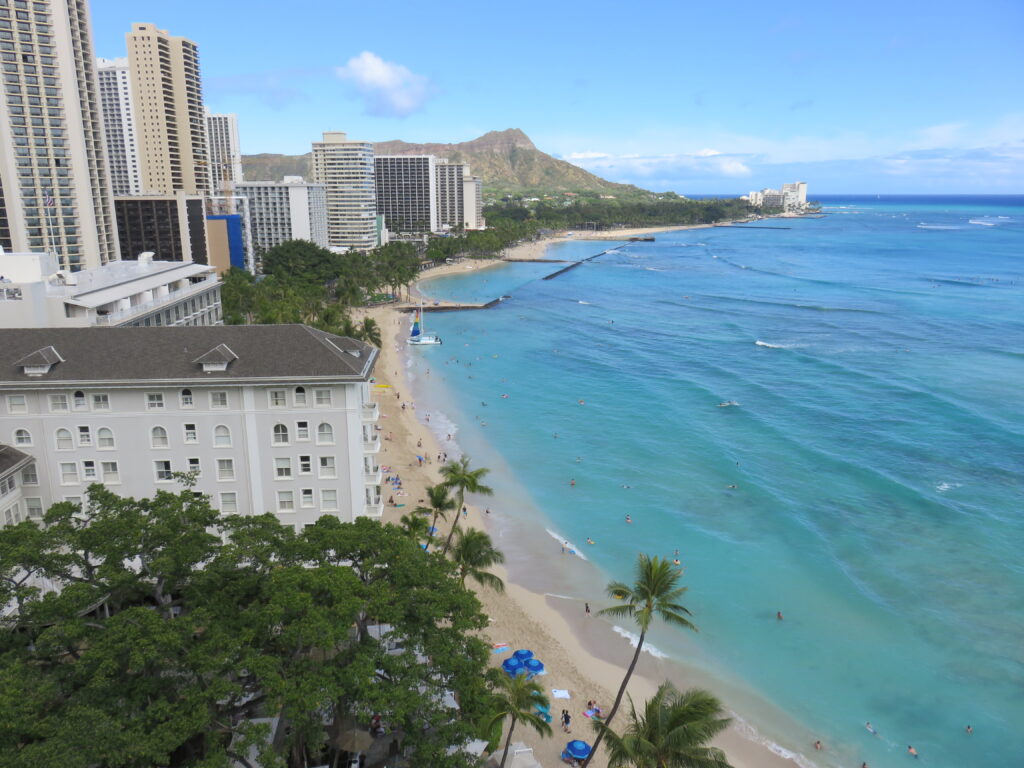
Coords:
pixel 22 437
pixel 221 436
pixel 159 437
pixel 104 438
pixel 186 398
pixel 64 441
pixel 280 434
pixel 325 433
pixel 79 401
pixel 300 396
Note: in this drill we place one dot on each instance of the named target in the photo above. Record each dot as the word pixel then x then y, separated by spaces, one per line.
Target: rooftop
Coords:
pixel 11 458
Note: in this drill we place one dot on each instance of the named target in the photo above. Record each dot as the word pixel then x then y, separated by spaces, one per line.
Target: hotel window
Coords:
pixel 218 399
pixel 186 398
pixel 29 476
pixel 328 499
pixel 194 466
pixel 325 434
pixel 34 508
pixel 305 465
pixel 158 437
pixel 58 402
pixel 280 434
pixel 302 430
pixel 76 500
pixel 104 438
pixel 285 501
pixel 154 401
pixel 228 503
pixel 68 473
pixel 64 441
pixel 278 398
pixel 306 498
pixel 323 397
pixel 22 437
pixel 88 470
pixel 81 403
pixel 84 436
pixel 225 469
pixel 191 434
pixel 17 404
pixel 327 468
pixel 110 472
pixel 300 396
pixel 282 468
pixel 163 471
pixel 221 436
pixel 101 402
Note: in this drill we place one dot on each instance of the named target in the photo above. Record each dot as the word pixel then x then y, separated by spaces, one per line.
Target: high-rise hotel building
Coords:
pixel 407 192
pixel 346 168
pixel 225 151
pixel 170 121
pixel 55 194
pixel 119 125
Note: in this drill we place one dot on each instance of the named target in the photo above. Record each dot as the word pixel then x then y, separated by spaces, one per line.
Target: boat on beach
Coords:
pixel 417 336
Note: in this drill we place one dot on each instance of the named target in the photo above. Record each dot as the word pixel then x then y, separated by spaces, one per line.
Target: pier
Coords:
pixel 575 264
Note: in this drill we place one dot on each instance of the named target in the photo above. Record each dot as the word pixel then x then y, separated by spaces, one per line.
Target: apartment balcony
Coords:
pixel 371 413
pixel 374 510
pixel 172 297
pixel 372 445
pixel 376 477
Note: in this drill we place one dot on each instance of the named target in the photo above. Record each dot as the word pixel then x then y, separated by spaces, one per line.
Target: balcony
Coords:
pixel 376 477
pixel 371 413
pixel 172 297
pixel 374 510
pixel 371 445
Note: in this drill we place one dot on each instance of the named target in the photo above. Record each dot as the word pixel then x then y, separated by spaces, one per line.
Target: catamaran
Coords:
pixel 418 336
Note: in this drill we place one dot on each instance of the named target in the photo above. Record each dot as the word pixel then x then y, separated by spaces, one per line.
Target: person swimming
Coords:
pixel 911 751
pixel 629 519
pixel 590 540
pixel 676 562
pixel 871 730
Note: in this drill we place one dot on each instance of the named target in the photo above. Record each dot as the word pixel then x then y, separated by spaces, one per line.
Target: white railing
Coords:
pixel 374 510
pixel 167 300
pixel 373 478
pixel 372 445
pixel 370 412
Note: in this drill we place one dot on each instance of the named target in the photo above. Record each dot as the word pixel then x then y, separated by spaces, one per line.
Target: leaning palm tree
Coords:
pixel 440 505
pixel 672 731
pixel 369 331
pixel 516 698
pixel 473 552
pixel 653 593
pixel 460 478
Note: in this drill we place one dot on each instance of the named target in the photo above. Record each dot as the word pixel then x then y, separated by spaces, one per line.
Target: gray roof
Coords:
pixel 174 353
pixel 45 356
pixel 220 354
pixel 11 458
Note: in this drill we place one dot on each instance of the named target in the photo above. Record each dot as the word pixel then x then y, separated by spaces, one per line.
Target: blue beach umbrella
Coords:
pixel 512 666
pixel 432 530
pixel 523 654
pixel 534 666
pixel 578 750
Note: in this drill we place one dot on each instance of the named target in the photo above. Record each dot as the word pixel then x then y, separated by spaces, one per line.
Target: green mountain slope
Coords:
pixel 507 161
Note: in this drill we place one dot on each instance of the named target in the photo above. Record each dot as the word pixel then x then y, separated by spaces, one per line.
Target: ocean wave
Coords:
pixel 943 487
pixel 565 542
pixel 922 225
pixel 750 733
pixel 581 301
pixel 653 269
pixel 760 343
pixel 982 222
pixel 634 639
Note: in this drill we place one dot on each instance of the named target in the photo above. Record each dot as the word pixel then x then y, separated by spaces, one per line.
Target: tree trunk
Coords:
pixel 618 698
pixel 508 740
pixel 433 524
pixel 451 533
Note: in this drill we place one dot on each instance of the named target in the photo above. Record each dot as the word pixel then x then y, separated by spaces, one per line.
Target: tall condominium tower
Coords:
pixel 346 168
pixel 54 191
pixel 225 151
pixel 170 123
pixel 472 202
pixel 119 125
pixel 450 193
pixel 407 192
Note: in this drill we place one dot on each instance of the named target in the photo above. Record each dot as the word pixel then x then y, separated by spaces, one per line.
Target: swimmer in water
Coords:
pixel 911 751
pixel 573 482
pixel 676 561
pixel 871 730
pixel 629 519
pixel 590 540
pixel 778 615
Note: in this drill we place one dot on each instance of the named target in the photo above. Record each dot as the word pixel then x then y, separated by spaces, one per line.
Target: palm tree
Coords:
pixel 672 731
pixel 369 331
pixel 415 526
pixel 653 593
pixel 473 552
pixel 458 476
pixel 516 698
pixel 440 505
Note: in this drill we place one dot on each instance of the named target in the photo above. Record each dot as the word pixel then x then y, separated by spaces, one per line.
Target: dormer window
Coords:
pixel 217 359
pixel 40 362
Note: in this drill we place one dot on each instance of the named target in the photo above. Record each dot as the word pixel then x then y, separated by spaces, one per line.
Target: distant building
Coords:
pixel 35 293
pixel 451 194
pixel 791 198
pixel 292 209
pixel 119 125
pixel 170 226
pixel 15 468
pixel 407 192
pixel 225 151
pixel 226 242
pixel 473 202
pixel 345 168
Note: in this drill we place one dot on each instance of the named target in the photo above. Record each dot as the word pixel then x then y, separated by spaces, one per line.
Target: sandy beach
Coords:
pixel 582 654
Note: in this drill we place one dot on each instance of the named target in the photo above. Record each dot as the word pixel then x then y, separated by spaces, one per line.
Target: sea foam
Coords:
pixel 565 542
pixel 634 639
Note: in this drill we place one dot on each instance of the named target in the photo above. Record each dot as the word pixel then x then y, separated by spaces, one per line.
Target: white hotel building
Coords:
pixel 272 418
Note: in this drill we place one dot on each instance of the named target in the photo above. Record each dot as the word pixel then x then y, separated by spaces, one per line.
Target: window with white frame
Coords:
pixel 221 436
pixel 80 401
pixel 7 485
pixel 191 433
pixel 101 402
pixel 58 403
pixel 76 500
pixel 218 399
pixel 17 404
pixel 163 471
pixel 328 498
pixel 29 475
pixel 104 438
pixel 34 508
pixel 302 430
pixel 285 501
pixel 110 472
pixel 225 469
pixel 278 398
pixel 325 434
pixel 300 396
pixel 327 468
pixel 229 503
pixel 282 468
pixel 84 436
pixel 186 398
pixel 22 437
pixel 194 466
pixel 68 473
pixel 154 401
pixel 280 434
pixel 306 497
pixel 88 470
pixel 305 465
pixel 158 437
pixel 64 440
pixel 322 397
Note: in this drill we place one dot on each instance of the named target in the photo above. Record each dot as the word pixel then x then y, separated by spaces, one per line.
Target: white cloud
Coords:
pixel 387 89
pixel 710 162
pixel 586 155
pixel 708 153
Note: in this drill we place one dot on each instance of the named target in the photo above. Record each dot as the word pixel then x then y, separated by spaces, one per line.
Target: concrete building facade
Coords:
pixel 473 202
pixel 119 126
pixel 292 209
pixel 170 226
pixel 170 121
pixel 451 194
pixel 345 168
pixel 55 193
pixel 225 151
pixel 407 193
pixel 270 418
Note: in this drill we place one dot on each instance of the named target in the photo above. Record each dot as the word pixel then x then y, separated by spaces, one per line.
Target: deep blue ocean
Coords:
pixel 867 484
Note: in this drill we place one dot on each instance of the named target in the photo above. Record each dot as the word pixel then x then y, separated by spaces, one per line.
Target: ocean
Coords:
pixel 866 482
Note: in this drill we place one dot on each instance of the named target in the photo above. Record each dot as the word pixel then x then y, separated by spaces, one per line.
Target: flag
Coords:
pixel 50 202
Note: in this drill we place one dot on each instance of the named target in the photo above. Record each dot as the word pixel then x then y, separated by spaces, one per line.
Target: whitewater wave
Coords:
pixel 922 225
pixel 750 733
pixel 564 541
pixel 581 301
pixel 442 426
pixel 634 639
pixel 653 269
pixel 770 346
pixel 982 222
pixel 943 487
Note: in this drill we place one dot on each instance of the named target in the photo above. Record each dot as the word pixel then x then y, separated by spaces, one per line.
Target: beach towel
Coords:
pixel 560 693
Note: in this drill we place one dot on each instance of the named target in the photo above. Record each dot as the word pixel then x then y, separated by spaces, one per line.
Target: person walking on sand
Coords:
pixel 586 608
pixel 566 721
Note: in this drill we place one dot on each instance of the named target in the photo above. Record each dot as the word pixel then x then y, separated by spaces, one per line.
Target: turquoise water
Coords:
pixel 877 357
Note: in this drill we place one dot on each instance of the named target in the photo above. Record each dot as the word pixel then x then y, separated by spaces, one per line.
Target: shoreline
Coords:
pixel 568 642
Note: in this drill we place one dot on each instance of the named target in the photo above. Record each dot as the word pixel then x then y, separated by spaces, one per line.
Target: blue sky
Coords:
pixel 706 97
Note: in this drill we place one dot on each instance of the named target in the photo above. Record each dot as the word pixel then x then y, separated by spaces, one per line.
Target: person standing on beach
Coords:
pixel 566 721
pixel 586 608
